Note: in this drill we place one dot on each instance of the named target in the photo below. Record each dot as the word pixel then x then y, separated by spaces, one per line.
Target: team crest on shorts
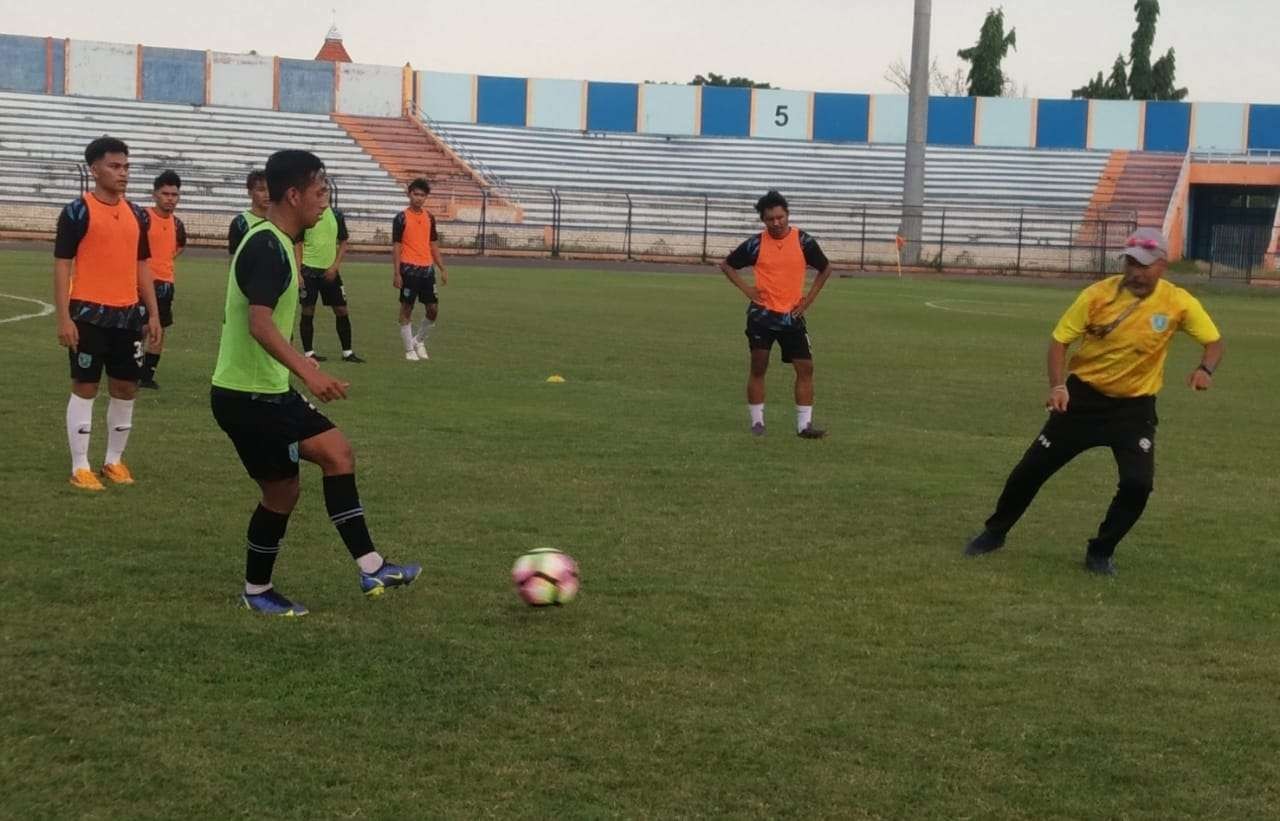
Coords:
pixel 293 452
pixel 1145 444
pixel 84 360
pixel 1160 323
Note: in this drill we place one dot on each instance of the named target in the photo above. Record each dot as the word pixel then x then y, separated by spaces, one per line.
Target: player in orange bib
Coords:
pixel 779 255
pixel 415 259
pixel 167 237
pixel 105 298
pixel 1106 395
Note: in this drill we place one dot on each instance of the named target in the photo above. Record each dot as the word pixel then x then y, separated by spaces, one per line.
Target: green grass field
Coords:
pixel 767 628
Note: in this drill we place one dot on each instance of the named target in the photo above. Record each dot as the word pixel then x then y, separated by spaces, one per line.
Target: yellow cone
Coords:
pixel 555 379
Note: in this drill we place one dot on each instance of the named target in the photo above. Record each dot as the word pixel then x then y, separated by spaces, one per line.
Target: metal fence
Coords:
pixel 1240 252
pixel 559 222
pixel 563 222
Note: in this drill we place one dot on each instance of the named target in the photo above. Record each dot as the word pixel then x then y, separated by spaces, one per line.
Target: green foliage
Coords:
pixel 768 628
pixel 1163 79
pixel 985 76
pixel 713 79
pixel 1141 86
pixel 1138 78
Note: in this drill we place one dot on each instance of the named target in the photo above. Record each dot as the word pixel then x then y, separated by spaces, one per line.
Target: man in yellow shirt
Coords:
pixel 1126 323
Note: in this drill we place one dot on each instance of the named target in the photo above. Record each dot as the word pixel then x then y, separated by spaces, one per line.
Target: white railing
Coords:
pixel 1255 156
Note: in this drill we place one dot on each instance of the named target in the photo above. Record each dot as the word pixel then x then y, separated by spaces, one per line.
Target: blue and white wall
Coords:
pixel 43 65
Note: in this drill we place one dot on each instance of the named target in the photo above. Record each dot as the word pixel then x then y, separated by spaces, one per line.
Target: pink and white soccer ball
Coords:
pixel 545 576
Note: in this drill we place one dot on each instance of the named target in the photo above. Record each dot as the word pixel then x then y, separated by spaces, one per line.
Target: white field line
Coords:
pixel 45 308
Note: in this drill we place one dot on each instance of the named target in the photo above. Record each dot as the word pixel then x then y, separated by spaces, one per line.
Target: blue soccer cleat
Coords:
pixel 389 575
pixel 272 604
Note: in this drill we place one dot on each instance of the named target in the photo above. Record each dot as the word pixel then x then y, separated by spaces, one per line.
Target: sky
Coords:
pixel 1227 51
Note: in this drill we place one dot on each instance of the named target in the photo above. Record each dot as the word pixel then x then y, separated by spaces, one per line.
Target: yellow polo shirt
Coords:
pixel 1129 360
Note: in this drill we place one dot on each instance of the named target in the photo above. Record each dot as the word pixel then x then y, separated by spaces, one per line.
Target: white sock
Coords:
pixel 309 353
pixel 370 562
pixel 79 424
pixel 804 416
pixel 347 353
pixel 757 413
pixel 423 330
pixel 256 589
pixel 119 423
pixel 406 336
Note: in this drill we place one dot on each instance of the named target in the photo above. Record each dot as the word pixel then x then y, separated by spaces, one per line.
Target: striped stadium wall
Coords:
pixel 128 71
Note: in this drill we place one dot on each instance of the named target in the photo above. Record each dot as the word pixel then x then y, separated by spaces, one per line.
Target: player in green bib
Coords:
pixel 322 248
pixel 271 425
pixel 259 199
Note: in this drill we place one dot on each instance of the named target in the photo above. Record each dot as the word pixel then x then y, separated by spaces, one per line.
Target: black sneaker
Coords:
pixel 149 384
pixel 812 433
pixel 984 543
pixel 757 429
pixel 317 357
pixel 1099 565
pixel 352 358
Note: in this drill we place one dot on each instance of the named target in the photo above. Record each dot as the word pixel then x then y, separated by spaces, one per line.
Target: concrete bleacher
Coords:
pixel 704 165
pixel 42 140
pixel 849 192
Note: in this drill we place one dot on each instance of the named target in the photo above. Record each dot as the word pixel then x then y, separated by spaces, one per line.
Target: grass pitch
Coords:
pixel 768 628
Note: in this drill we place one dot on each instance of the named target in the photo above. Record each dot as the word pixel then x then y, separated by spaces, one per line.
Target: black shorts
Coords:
pixel 164 302
pixel 266 429
pixel 764 327
pixel 119 350
pixel 419 283
pixel 315 285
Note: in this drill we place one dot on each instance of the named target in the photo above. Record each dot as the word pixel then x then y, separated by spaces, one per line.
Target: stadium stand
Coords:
pixel 42 140
pixel 1001 199
pixel 1146 185
pixel 704 165
pixel 406 149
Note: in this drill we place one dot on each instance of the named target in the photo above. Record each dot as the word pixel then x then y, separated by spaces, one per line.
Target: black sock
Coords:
pixel 343 503
pixel 149 364
pixel 266 529
pixel 344 332
pixel 307 325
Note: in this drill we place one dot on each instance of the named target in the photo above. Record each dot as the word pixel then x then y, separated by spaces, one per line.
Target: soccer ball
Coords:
pixel 545 576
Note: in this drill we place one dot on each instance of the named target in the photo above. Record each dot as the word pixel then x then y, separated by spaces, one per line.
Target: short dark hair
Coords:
pixel 772 200
pixel 420 184
pixel 256 176
pixel 169 177
pixel 292 168
pixel 103 146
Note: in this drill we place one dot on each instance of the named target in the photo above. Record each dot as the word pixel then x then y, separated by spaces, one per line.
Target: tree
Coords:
pixel 1144 37
pixel 985 77
pixel 1162 79
pixel 941 83
pixel 1115 87
pixel 713 79
pixel 1138 78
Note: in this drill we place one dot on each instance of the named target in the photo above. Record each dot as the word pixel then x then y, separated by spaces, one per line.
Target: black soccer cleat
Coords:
pixel 811 432
pixel 1099 565
pixel 352 358
pixel 317 357
pixel 149 384
pixel 984 543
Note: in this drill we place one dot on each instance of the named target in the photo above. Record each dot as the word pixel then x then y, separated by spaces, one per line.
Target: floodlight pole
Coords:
pixel 912 228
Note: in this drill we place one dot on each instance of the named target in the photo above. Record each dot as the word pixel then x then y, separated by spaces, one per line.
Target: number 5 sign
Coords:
pixel 781 114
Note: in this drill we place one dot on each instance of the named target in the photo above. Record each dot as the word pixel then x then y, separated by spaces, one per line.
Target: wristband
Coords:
pixel 1205 368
